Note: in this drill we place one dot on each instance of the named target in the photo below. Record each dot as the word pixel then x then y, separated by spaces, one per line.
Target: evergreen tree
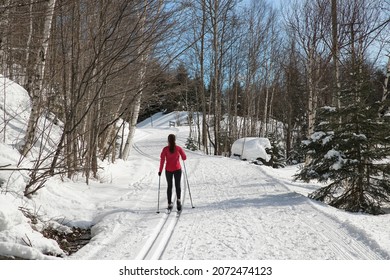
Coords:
pixel 277 152
pixel 190 144
pixel 349 148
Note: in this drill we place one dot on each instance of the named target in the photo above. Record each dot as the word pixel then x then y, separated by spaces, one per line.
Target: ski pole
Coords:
pixel 158 200
pixel 188 185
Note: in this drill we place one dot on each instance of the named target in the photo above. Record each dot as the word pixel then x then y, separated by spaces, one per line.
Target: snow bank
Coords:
pixel 251 148
pixel 15 102
pixel 17 238
pixel 9 216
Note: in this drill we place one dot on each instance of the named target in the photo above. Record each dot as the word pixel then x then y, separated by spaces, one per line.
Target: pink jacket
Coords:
pixel 172 159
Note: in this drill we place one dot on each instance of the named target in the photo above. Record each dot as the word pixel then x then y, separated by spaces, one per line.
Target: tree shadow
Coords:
pixel 268 200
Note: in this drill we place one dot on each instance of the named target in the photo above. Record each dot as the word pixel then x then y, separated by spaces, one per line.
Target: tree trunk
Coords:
pixel 311 109
pixel 264 124
pixel 202 89
pixel 27 70
pixel 215 84
pixel 141 79
pixel 335 54
pixel 109 139
pixel 132 125
pixel 38 78
pixel 4 38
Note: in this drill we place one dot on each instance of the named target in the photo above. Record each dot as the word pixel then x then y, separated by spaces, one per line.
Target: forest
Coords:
pixel 310 75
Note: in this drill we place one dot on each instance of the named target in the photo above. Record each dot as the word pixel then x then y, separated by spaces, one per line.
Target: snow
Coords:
pixel 316 136
pixel 14 101
pixel 241 211
pixel 336 155
pixel 251 148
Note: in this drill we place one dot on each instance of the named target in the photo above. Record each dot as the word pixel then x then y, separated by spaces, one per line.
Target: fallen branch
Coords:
pixel 29 244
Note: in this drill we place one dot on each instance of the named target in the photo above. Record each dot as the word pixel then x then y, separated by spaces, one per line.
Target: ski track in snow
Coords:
pixel 254 216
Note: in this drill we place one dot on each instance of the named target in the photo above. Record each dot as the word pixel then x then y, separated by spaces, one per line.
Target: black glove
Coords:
pixel 159 173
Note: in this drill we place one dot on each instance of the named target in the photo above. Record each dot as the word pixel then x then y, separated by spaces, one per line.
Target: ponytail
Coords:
pixel 172 143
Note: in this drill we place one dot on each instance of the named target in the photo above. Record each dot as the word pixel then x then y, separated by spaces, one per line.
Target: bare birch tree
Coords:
pixel 143 55
pixel 335 54
pixel 37 80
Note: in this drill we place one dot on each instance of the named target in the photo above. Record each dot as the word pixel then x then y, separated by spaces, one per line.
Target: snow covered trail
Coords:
pixel 241 212
pixel 254 216
pixel 129 227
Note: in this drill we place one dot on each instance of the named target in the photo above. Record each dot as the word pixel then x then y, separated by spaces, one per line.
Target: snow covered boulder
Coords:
pixel 252 148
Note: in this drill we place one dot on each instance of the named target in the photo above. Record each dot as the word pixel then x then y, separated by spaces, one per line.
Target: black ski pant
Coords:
pixel 169 176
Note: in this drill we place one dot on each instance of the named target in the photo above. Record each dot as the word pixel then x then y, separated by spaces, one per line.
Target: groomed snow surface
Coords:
pixel 241 211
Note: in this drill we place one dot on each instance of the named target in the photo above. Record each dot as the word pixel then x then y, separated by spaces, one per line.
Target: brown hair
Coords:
pixel 172 143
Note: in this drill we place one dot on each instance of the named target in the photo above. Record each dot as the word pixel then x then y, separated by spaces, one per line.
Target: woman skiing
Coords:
pixel 170 155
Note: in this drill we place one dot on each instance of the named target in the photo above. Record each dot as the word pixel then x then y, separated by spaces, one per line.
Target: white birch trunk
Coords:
pixel 311 97
pixel 38 76
pixel 335 54
pixel 137 102
pixel 132 126
pixel 28 45
pixel 264 124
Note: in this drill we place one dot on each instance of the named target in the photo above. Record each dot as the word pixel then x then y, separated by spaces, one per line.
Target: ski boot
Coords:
pixel 178 205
